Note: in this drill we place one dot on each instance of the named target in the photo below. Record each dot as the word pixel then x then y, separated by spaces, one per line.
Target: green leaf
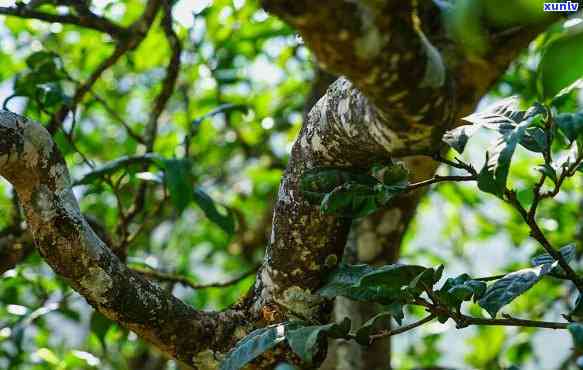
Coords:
pixel 351 200
pixel 493 176
pixel 549 171
pixel 576 313
pixel 253 345
pixel 535 140
pixel 561 64
pixel 435 67
pixel 344 281
pixel 357 200
pixel 100 325
pixel 394 276
pixel 500 116
pixel 459 289
pixel 571 125
pixel 50 95
pixel 576 331
pixel 365 283
pixel 316 183
pixel 505 290
pixel 380 322
pixel 118 164
pixel 179 181
pixel 305 341
pixel 225 221
pixel 458 137
pixel 395 174
pixel 568 252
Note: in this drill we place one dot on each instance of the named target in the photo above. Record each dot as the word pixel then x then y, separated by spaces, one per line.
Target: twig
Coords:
pixel 438 178
pixel 88 20
pixel 402 329
pixel 537 234
pixel 162 276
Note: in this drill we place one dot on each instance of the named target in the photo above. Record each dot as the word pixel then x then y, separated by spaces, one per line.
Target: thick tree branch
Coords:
pixel 30 161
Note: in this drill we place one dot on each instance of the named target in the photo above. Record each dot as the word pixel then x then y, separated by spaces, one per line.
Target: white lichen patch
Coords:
pixel 301 303
pixel 38 137
pixel 368 246
pixel 43 203
pixel 96 283
pixel 390 221
pixel 206 360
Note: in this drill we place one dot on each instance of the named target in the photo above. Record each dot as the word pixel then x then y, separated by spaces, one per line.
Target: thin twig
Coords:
pixel 88 20
pixel 162 276
pixel 402 329
pixel 438 178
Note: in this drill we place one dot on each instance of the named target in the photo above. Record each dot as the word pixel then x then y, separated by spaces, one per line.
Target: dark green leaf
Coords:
pixel 396 174
pixel 365 283
pixel 502 116
pixel 561 64
pixel 380 322
pixel 571 125
pixel 576 331
pixel 505 290
pixel 351 200
pixel 493 176
pixel 225 221
pixel 576 313
pixel 253 345
pixel 549 171
pixel 99 326
pixel 179 181
pixel 344 281
pixel 305 341
pixel 459 136
pixel 318 182
pixel 118 164
pixel 568 252
pixel 434 67
pixel 535 140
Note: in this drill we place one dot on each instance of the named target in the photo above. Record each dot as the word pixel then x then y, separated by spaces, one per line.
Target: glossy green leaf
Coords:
pixel 548 171
pixel 125 163
pixel 305 341
pixel 561 64
pixel 571 125
pixel 576 331
pixel 381 321
pixel 493 176
pixel 179 181
pixel 568 252
pixel 505 290
pixel 535 140
pixel 225 221
pixel 458 137
pixel 318 182
pixel 253 345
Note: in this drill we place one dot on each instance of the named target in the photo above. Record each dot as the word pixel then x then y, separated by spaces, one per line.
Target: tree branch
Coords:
pixel 30 161
pixel 87 20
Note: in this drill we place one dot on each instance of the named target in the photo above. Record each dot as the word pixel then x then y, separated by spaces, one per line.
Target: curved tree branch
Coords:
pixel 30 161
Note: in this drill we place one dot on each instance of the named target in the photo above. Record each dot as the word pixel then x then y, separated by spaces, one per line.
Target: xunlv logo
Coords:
pixel 561 7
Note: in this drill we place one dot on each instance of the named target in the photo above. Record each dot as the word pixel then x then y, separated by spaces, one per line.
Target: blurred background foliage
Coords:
pixel 253 75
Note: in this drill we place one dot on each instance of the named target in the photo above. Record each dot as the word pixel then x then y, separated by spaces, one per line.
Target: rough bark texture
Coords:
pixel 30 161
pixel 380 108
